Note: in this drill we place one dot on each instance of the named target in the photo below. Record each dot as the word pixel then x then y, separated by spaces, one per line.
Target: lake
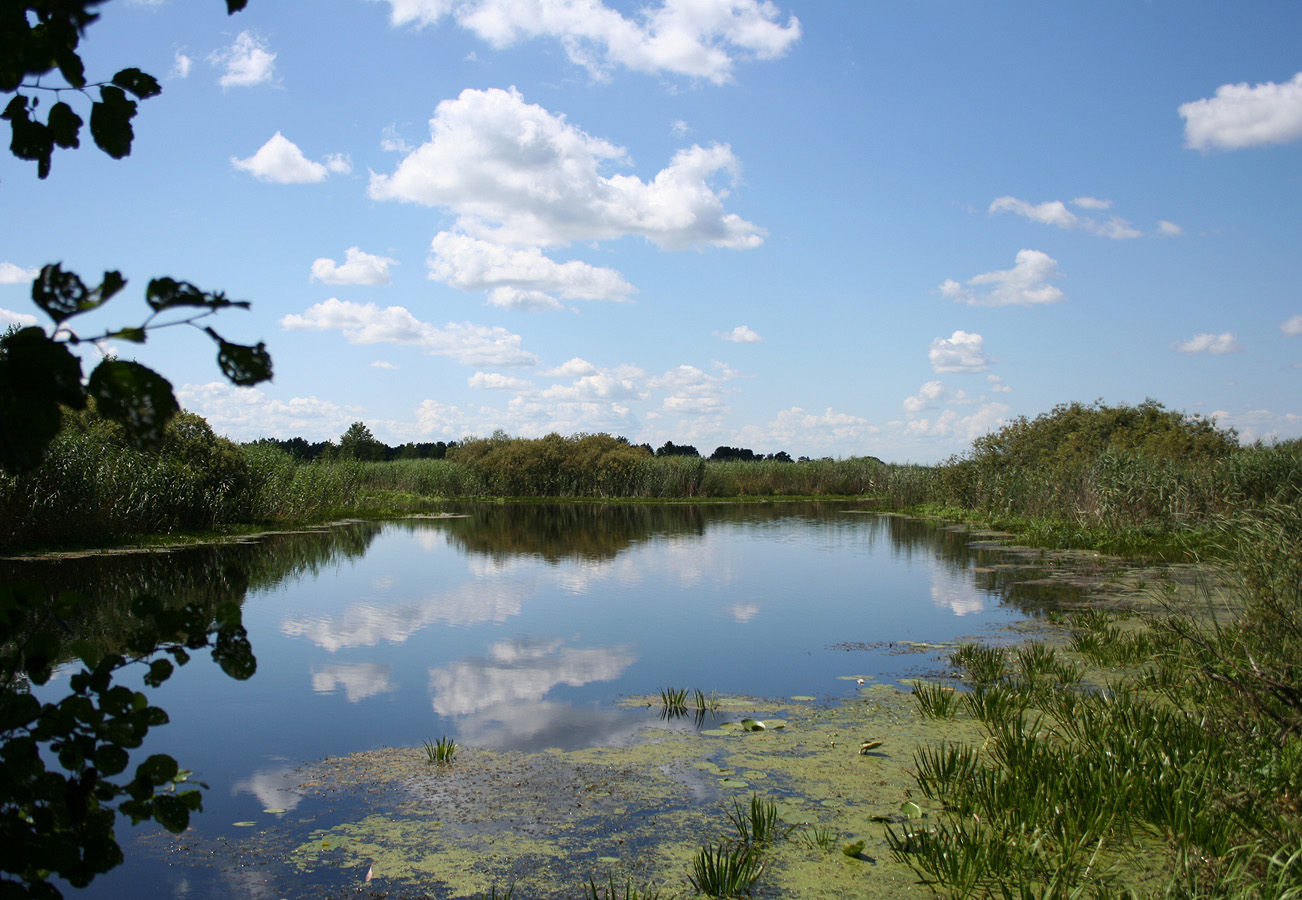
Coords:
pixel 520 627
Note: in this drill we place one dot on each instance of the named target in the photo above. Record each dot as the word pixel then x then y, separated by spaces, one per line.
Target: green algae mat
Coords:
pixel 543 824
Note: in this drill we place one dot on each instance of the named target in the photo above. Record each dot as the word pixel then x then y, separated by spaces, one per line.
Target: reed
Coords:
pixel 440 752
pixel 758 824
pixel 725 870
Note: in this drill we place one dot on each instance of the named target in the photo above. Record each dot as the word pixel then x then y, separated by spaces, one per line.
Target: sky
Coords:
pixel 821 227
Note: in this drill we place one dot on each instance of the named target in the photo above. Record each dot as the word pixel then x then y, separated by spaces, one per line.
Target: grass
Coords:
pixel 440 752
pixel 935 700
pixel 758 824
pixel 726 870
pixel 612 891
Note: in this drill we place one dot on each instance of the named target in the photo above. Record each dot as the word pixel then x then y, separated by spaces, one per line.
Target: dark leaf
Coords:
pixel 37 374
pixel 65 126
pixel 240 364
pixel 234 6
pixel 111 759
pixel 110 122
pixel 63 294
pixel 139 83
pixel 71 67
pixel 165 293
pixel 134 335
pixel 136 397
pixel 159 671
pixel 159 769
pixel 172 813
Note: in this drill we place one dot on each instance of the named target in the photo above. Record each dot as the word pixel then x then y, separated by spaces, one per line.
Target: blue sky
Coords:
pixel 829 228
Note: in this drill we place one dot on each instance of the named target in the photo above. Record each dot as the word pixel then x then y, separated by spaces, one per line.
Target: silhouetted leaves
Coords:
pixel 37 374
pixel 63 294
pixel 240 364
pixel 136 397
pixel 167 293
pixel 110 122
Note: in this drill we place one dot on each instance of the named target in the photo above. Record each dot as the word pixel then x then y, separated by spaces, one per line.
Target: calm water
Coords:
pixel 520 626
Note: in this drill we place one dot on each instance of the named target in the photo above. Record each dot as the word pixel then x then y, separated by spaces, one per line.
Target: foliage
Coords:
pixel 59 799
pixel 358 443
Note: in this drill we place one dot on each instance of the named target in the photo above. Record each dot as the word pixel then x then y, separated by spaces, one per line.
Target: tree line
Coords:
pixel 359 442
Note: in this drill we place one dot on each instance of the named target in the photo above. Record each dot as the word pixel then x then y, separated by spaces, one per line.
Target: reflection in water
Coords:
pixel 532 726
pixel 367 624
pixel 521 669
pixel 744 612
pixel 953 591
pixel 275 788
pixel 359 681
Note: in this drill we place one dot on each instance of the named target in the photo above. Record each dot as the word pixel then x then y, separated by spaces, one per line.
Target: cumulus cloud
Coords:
pixel 935 393
pixel 1292 327
pixel 14 274
pixel 1168 229
pixel 997 385
pixel 574 368
pixel 22 320
pixel 518 175
pixel 245 413
pixel 695 38
pixel 1242 115
pixel 1215 344
pixel 472 345
pixel 950 424
pixel 961 352
pixel 1026 284
pixel 493 381
pixel 519 278
pixel 1056 213
pixel 691 391
pixel 802 429
pixel 358 268
pixel 742 334
pixel 247 61
pixel 280 161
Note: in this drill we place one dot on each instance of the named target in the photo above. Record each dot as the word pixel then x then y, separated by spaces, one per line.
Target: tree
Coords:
pixel 64 765
pixel 358 443
pixel 672 449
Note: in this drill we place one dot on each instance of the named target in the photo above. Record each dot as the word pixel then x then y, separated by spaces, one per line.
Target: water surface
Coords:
pixel 521 627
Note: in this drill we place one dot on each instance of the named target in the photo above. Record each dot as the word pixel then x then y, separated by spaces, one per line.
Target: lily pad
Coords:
pixel 244 824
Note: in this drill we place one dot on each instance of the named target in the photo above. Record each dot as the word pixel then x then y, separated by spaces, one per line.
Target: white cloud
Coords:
pixel 518 175
pixel 1241 116
pixel 519 278
pixel 1292 327
pixel 696 38
pixel 387 366
pixel 622 384
pixel 1215 344
pixel 245 413
pixel 22 320
pixel 280 161
pixel 928 394
pixel 961 352
pixel 575 368
pixel 1168 229
pixel 393 142
pixel 472 345
pixel 1026 284
pixel 1260 424
pixel 690 390
pixel 997 385
pixel 247 61
pixel 492 381
pixel 358 268
pixel 742 334
pixel 949 423
pixel 801 431
pixel 181 65
pixel 1055 212
pixel 14 274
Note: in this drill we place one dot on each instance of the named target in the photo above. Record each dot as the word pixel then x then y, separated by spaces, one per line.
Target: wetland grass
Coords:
pixel 440 752
pixel 758 824
pixel 726 869
pixel 935 700
pixel 612 891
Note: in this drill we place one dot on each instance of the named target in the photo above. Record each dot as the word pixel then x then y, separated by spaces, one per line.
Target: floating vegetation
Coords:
pixel 612 891
pixel 440 752
pixel 820 837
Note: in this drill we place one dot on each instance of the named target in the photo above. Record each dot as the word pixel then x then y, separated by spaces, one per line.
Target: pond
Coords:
pixel 519 628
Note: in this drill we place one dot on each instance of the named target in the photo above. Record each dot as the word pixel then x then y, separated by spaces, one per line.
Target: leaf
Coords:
pixel 30 139
pixel 110 121
pixel 158 769
pixel 165 293
pixel 172 813
pixel 234 6
pixel 37 375
pixel 242 365
pixel 136 397
pixel 139 83
pixel 65 126
pixel 63 294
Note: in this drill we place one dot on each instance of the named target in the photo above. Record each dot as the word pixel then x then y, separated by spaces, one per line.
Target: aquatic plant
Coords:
pixel 611 891
pixel 673 698
pixel 935 700
pixel 726 870
pixel 703 702
pixel 820 837
pixel 758 823
pixel 981 663
pixel 440 752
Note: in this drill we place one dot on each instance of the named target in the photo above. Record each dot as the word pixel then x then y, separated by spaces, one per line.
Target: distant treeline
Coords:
pixel 1096 475
pixel 359 443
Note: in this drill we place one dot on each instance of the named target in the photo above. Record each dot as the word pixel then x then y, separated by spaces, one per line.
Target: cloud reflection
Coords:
pixel 275 788
pixel 367 623
pixel 522 670
pixel 359 681
pixel 955 592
